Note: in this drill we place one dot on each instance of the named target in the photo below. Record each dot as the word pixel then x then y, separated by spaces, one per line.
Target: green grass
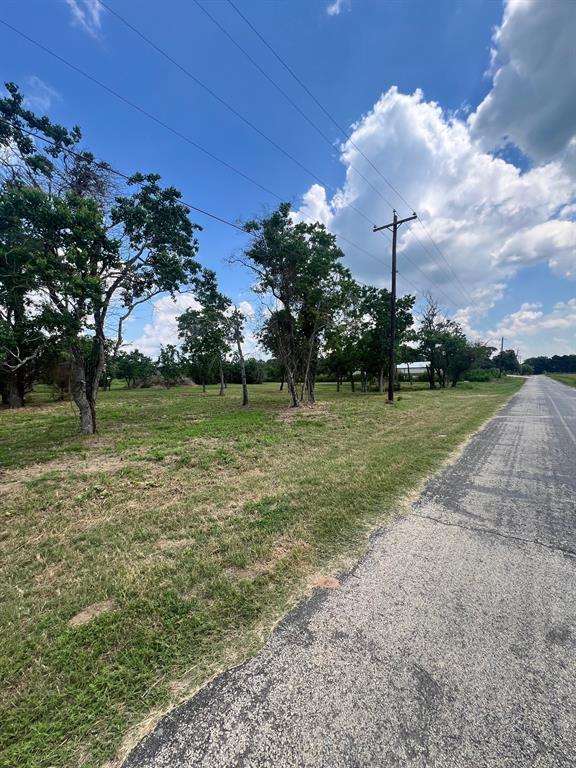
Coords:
pixel 200 523
pixel 565 378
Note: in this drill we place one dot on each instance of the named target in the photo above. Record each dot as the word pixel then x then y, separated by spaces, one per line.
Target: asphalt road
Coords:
pixel 452 643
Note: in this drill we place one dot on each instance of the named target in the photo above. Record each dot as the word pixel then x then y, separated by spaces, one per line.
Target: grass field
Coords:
pixel 565 378
pixel 139 562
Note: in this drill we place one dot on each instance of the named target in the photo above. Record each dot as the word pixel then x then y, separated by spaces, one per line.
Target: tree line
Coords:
pixel 554 364
pixel 80 249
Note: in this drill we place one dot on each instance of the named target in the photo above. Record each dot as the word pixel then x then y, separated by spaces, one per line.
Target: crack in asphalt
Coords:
pixel 491 531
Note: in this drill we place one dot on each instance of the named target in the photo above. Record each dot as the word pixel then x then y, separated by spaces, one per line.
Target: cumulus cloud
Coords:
pixel 39 95
pixel 556 239
pixel 532 102
pixel 164 328
pixel 336 7
pixel 486 216
pixel 87 15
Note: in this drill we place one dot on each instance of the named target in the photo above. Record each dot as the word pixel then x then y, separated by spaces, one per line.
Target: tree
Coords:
pixel 343 337
pixel 86 256
pixel 375 308
pixel 554 364
pixel 432 324
pixel 299 265
pixel 507 361
pixel 481 355
pixel 443 343
pixel 456 355
pixel 206 332
pixel 170 365
pixel 236 324
pixel 134 367
pixel 27 169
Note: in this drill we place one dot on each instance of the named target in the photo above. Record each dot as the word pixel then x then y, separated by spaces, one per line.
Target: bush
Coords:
pixel 481 374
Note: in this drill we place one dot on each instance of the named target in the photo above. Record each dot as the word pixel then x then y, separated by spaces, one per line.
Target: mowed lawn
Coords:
pixel 565 378
pixel 138 563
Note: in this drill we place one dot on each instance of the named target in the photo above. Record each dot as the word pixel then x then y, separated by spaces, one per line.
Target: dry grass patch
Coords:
pixel 90 613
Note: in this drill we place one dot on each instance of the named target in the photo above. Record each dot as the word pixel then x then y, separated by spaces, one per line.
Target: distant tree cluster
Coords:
pixel 554 364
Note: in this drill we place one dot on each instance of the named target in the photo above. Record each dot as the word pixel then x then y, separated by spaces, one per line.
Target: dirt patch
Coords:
pixel 248 574
pixel 48 575
pixel 91 613
pixel 172 545
pixel 14 479
pixel 304 410
pixel 326 582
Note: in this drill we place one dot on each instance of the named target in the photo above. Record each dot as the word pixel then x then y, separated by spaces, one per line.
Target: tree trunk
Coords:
pixel 352 385
pixel 292 389
pixel 221 393
pixel 14 396
pixel 381 379
pixel 282 381
pixel 431 377
pixel 364 382
pixel 311 389
pixel 80 395
pixel 203 383
pixel 338 382
pixel 85 377
pixel 242 371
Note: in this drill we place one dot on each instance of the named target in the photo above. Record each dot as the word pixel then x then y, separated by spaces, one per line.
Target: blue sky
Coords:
pixel 504 226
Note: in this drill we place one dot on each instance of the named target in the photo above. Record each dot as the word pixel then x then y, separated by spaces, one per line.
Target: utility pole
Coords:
pixel 501 356
pixel 394 224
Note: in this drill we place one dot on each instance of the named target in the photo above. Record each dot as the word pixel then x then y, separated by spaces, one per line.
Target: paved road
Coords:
pixel 452 643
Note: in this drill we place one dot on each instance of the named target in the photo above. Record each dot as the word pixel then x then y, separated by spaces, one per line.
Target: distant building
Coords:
pixel 413 369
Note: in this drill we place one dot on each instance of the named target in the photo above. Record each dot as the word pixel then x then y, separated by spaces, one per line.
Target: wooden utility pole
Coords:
pixel 394 224
pixel 501 356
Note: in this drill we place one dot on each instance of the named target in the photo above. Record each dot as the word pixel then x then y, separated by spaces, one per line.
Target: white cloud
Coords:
pixel 487 217
pixel 536 332
pixel 555 240
pixel 531 103
pixel 164 328
pixel 246 309
pixel 86 14
pixel 39 94
pixel 335 8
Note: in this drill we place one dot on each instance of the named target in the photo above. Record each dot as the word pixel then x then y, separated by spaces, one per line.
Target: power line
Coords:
pixel 248 122
pixel 315 100
pixel 140 109
pixel 287 96
pixel 174 131
pixel 212 93
pixel 105 166
pixel 115 172
pixel 436 246
pixel 338 126
pixel 126 177
pixel 229 107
